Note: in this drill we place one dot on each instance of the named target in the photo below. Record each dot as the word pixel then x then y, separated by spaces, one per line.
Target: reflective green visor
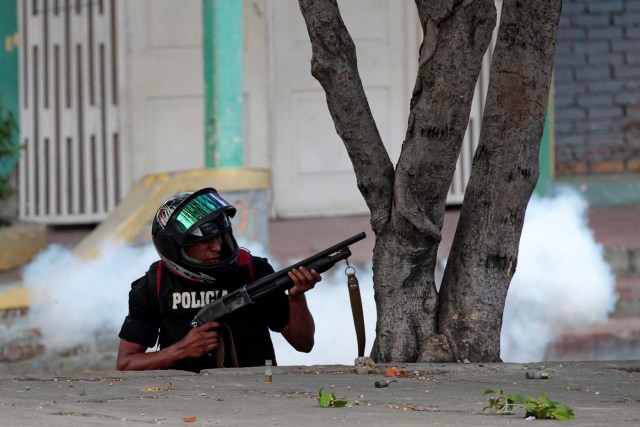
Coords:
pixel 200 207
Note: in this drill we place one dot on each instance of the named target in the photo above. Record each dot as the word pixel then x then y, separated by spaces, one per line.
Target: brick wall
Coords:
pixel 597 87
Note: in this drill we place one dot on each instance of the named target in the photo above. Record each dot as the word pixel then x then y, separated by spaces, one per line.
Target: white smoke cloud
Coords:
pixel 335 339
pixel 561 281
pixel 72 298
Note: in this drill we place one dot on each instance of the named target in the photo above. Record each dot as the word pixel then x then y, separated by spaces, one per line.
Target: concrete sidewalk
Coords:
pixel 600 393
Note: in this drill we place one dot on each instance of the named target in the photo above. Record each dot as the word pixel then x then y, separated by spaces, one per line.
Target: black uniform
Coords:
pixel 165 313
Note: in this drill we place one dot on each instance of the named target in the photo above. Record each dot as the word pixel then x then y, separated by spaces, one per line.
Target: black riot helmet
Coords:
pixel 188 218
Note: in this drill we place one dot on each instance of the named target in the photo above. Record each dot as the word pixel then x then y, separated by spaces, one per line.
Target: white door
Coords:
pixel 312 174
pixel 164 121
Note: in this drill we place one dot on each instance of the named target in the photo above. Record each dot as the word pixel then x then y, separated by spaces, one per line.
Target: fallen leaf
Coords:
pixel 189 419
pixel 392 371
pixel 395 372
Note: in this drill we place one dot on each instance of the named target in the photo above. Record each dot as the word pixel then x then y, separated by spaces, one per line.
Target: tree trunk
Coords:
pixel 407 205
pixel 455 39
pixel 505 170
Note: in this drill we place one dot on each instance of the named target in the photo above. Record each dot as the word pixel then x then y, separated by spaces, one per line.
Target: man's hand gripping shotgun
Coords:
pixel 248 294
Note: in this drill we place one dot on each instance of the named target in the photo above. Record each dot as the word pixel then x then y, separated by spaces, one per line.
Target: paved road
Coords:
pixel 601 393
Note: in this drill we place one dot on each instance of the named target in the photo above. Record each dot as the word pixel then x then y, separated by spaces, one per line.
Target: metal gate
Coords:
pixel 455 196
pixel 462 173
pixel 71 169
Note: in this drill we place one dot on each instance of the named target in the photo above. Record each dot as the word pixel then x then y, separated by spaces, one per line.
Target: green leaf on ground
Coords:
pixel 329 399
pixel 541 407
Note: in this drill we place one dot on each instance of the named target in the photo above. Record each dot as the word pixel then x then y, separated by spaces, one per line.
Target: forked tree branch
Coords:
pixel 456 37
pixel 334 65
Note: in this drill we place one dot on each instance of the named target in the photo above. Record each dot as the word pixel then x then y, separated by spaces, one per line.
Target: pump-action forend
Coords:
pixel 280 280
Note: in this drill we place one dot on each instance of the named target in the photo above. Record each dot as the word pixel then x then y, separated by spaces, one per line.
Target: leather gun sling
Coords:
pixel 356 309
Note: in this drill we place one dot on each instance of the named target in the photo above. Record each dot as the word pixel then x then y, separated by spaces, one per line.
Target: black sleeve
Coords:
pixel 141 326
pixel 275 306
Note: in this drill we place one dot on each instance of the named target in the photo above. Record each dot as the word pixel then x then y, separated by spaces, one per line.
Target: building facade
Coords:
pixel 112 91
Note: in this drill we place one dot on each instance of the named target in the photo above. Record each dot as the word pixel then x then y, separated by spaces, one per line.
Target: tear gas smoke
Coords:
pixel 335 340
pixel 561 281
pixel 73 299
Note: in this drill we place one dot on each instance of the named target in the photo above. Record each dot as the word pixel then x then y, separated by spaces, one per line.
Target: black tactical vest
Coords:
pixel 180 300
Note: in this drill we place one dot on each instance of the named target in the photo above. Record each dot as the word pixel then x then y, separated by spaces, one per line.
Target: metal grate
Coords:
pixel 472 136
pixel 71 169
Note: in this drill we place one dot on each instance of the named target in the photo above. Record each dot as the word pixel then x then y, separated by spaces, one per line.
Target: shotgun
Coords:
pixel 278 281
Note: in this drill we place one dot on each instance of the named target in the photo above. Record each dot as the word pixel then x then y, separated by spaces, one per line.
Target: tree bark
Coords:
pixel 505 170
pixel 456 36
pixel 407 205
